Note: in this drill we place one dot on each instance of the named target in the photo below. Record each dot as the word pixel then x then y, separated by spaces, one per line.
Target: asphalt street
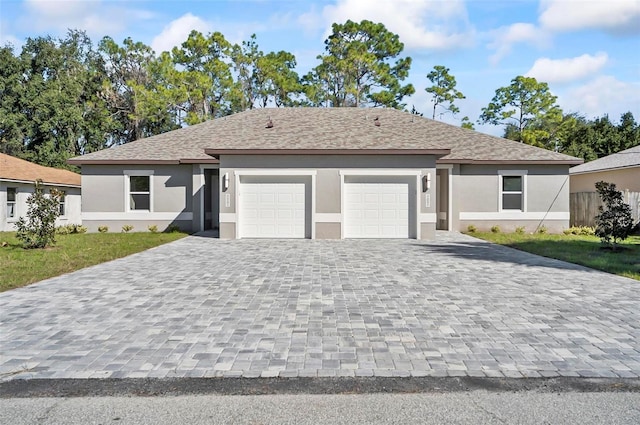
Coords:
pixel 476 407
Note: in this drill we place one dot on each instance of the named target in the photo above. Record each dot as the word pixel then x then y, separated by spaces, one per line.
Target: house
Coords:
pixel 17 182
pixel 325 173
pixel 622 168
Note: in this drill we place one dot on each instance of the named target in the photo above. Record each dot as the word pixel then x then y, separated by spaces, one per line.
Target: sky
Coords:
pixel 588 51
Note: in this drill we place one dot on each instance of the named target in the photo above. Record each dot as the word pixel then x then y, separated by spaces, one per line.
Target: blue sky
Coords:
pixel 586 50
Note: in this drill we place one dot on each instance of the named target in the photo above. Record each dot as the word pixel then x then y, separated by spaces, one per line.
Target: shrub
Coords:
pixel 542 230
pixel 580 230
pixel 520 230
pixel 153 228
pixel 613 223
pixel 495 229
pixel 70 228
pixel 103 229
pixel 172 228
pixel 127 228
pixel 471 228
pixel 38 229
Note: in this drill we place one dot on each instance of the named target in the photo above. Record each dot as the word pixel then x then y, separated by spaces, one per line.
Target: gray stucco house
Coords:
pixel 325 173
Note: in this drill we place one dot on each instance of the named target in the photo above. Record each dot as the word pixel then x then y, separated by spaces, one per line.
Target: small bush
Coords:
pixel 542 230
pixel 103 229
pixel 63 230
pixel 580 230
pixel 520 230
pixel 38 229
pixel 127 228
pixel 173 228
pixel 153 228
pixel 495 229
pixel 70 229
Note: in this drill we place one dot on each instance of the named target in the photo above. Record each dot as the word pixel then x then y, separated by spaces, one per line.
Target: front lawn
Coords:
pixel 20 267
pixel 584 250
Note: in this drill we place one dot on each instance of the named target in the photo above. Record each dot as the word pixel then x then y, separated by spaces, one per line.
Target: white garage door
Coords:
pixel 272 210
pixel 376 210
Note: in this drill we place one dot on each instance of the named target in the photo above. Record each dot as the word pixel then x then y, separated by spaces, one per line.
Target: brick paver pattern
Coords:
pixel 203 307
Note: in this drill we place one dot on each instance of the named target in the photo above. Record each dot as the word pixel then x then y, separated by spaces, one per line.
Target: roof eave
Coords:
pixel 511 161
pixel 603 170
pixel 438 152
pixel 46 183
pixel 80 161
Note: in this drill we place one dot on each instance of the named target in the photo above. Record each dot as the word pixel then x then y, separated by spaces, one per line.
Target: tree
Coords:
pixel 50 104
pixel 466 123
pixel 444 90
pixel 207 76
pixel 38 229
pixel 358 68
pixel 130 89
pixel 527 105
pixel 278 81
pixel 613 223
pixel 13 123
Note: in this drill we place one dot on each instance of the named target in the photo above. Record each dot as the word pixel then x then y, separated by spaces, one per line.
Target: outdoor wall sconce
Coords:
pixel 426 182
pixel 225 182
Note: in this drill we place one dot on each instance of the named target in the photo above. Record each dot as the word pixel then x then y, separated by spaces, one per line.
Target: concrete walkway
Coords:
pixel 203 307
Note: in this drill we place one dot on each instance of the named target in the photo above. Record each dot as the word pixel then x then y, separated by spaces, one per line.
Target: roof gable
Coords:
pixel 12 168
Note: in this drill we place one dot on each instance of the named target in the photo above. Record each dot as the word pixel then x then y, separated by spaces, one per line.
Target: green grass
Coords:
pixel 584 250
pixel 20 267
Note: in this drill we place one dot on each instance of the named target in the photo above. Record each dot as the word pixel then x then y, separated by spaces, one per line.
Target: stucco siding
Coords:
pixel 476 197
pixel 24 190
pixel 104 197
pixel 329 173
pixel 624 179
pixel 104 187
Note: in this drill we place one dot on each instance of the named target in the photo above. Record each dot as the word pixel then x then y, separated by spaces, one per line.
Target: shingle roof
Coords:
pixel 623 159
pixel 324 129
pixel 12 168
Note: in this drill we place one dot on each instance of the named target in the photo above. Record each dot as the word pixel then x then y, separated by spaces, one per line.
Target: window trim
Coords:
pixel 501 192
pixel 127 189
pixel 13 217
pixel 62 204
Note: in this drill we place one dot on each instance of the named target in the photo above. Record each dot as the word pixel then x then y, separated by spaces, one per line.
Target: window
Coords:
pixel 11 202
pixel 139 193
pixel 61 204
pixel 512 188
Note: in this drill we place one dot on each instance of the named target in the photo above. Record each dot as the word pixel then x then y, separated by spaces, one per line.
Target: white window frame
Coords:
pixel 501 192
pixel 127 189
pixel 62 204
pixel 14 202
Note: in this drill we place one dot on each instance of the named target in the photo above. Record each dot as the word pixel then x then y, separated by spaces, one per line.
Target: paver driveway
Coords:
pixel 262 308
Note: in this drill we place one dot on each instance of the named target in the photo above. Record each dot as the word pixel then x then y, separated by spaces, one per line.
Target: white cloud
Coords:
pixel 95 17
pixel 438 25
pixel 12 40
pixel 177 31
pixel 616 16
pixel 505 38
pixel 603 95
pixel 567 70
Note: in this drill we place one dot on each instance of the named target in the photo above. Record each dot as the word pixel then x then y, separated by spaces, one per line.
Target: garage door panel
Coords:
pixel 272 210
pixel 376 210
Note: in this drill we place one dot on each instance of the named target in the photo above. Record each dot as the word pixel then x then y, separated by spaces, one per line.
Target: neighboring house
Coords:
pixel 325 173
pixel 622 168
pixel 17 182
